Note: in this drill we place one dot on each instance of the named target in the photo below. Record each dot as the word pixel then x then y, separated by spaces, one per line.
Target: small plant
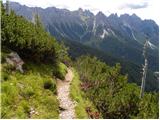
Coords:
pixel 23 109
pixel 8 68
pixel 48 84
pixel 60 71
pixel 5 76
pixel 78 95
pixel 27 92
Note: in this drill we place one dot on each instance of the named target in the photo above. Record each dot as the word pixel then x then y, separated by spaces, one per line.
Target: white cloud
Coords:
pixel 135 6
pixel 150 11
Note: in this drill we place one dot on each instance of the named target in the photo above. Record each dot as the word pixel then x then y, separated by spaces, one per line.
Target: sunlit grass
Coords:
pixel 78 95
pixel 21 92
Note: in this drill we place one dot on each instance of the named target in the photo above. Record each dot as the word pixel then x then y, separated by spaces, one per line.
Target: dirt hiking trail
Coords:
pixel 67 110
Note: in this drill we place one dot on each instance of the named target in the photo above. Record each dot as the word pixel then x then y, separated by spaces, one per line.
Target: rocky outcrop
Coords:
pixel 14 59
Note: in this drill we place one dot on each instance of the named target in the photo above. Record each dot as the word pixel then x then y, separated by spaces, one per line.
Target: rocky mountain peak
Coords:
pixel 100 15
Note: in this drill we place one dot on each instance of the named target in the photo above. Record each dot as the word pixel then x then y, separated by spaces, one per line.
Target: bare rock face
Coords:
pixel 14 59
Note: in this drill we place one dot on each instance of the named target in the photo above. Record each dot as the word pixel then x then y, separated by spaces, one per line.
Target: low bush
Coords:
pixel 110 92
pixel 28 92
pixel 22 110
pixel 49 84
pixel 60 71
pixel 79 97
pixel 4 76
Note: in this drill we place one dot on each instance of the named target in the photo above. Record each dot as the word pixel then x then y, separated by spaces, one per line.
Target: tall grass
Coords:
pixel 21 92
pixel 78 96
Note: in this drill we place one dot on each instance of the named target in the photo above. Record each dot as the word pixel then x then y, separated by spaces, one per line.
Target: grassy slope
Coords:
pixel 78 95
pixel 20 92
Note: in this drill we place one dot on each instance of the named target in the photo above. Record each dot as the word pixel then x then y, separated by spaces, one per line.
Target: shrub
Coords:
pixel 10 92
pixel 8 67
pixel 28 92
pixel 22 110
pixel 110 92
pixel 30 41
pixel 78 95
pixel 6 112
pixel 4 76
pixel 148 108
pixel 60 71
pixel 49 84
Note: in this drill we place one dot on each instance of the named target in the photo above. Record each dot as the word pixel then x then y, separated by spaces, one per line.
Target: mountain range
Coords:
pixel 112 38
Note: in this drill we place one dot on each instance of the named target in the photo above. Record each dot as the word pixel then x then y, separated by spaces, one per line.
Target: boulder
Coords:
pixel 14 59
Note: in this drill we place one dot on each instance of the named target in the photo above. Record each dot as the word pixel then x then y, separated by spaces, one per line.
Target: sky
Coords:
pixel 145 9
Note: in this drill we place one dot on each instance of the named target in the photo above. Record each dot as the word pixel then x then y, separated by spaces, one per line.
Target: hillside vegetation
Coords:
pixel 36 89
pixel 79 96
pixel 133 70
pixel 99 90
pixel 29 40
pixel 33 93
pixel 110 92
